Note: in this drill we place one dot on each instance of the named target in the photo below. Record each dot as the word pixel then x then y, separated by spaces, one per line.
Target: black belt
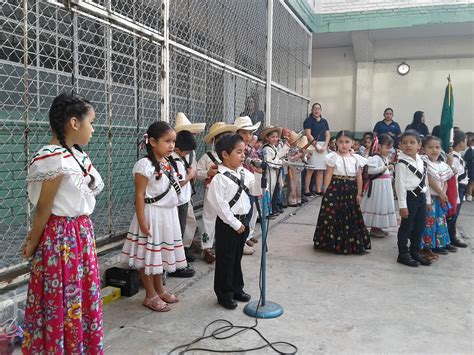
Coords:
pixel 416 192
pixel 241 217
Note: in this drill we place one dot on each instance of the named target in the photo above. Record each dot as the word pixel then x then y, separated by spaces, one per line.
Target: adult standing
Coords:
pixel 317 131
pixel 251 110
pixel 418 124
pixel 388 126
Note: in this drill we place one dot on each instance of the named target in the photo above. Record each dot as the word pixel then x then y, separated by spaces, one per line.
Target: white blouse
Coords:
pixel 74 197
pixel 346 166
pixel 377 164
pixel 156 187
pixel 439 171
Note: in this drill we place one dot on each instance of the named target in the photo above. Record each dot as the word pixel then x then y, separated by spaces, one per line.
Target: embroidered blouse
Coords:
pixel 74 197
pixel 345 166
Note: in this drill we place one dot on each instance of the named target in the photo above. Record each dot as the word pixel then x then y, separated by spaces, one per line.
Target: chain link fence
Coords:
pixel 114 52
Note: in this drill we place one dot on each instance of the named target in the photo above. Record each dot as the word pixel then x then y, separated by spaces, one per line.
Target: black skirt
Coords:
pixel 341 227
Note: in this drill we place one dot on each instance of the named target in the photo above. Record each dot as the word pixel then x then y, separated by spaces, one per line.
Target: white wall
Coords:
pixel 423 90
pixel 332 85
pixel 334 82
pixel 332 6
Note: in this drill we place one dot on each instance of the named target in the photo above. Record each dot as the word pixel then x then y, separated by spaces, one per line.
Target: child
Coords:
pixel 153 243
pixel 206 170
pixel 63 310
pixel 411 184
pixel 356 147
pixel 246 129
pixel 469 159
pixel 228 196
pixel 185 145
pixel 377 204
pixel 295 155
pixel 340 226
pixel 435 236
pixel 366 144
pixel 271 135
pixel 182 123
pixel 459 146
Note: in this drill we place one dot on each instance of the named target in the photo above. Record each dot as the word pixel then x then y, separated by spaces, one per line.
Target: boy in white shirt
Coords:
pixel 411 183
pixel 228 196
pixel 185 144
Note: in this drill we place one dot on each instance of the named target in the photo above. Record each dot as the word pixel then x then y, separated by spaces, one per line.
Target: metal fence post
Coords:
pixel 268 93
pixel 165 64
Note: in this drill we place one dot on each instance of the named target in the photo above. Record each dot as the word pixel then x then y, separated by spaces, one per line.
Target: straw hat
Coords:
pixel 246 123
pixel 269 129
pixel 183 124
pixel 218 128
pixel 303 142
pixel 294 137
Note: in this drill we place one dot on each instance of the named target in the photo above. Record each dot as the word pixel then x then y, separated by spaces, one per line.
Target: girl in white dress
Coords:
pixel 153 243
pixel 377 205
pixel 340 226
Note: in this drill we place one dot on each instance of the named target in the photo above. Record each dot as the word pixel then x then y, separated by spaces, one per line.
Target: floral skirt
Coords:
pixel 341 227
pixel 435 234
pixel 63 311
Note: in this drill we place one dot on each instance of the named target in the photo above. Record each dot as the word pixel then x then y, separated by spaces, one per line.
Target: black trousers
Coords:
pixel 229 246
pixel 182 215
pixel 411 228
pixel 452 220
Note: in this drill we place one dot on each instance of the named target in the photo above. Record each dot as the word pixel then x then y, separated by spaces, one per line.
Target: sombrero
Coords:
pixel 183 124
pixel 269 129
pixel 218 128
pixel 303 142
pixel 246 123
pixel 295 137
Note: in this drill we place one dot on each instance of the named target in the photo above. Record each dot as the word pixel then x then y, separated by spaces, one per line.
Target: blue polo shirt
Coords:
pixel 381 127
pixel 318 129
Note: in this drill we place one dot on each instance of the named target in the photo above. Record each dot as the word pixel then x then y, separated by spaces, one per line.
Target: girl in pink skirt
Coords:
pixel 63 311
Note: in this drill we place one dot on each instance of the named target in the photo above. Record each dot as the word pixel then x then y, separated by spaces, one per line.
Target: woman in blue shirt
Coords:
pixel 317 131
pixel 388 126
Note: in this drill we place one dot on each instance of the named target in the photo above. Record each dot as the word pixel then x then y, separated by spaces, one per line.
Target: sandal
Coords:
pixel 169 297
pixel 253 239
pixel 208 256
pixel 156 304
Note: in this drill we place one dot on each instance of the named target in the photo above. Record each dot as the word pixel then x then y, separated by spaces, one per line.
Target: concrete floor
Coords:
pixel 332 303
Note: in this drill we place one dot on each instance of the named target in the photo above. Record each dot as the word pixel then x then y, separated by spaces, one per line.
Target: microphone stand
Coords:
pixel 263 308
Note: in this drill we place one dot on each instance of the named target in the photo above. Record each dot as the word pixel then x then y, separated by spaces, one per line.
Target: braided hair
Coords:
pixel 157 130
pixel 64 107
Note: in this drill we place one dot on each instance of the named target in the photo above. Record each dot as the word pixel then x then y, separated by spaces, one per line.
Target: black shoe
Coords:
pixel 183 273
pixel 308 194
pixel 320 193
pixel 441 251
pixel 408 261
pixel 421 260
pixel 304 200
pixel 189 257
pixel 451 248
pixel 281 210
pixel 295 205
pixel 243 297
pixel 457 243
pixel 230 304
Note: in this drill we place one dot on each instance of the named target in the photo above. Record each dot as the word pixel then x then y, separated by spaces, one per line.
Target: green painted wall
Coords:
pixel 379 19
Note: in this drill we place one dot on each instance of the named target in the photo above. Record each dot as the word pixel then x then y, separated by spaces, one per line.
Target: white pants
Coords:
pixel 209 224
pixel 191 226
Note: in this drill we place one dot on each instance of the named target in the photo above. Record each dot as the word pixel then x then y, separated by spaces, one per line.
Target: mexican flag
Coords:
pixel 447 118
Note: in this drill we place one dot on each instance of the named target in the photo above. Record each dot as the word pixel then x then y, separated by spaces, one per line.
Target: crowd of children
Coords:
pixel 63 312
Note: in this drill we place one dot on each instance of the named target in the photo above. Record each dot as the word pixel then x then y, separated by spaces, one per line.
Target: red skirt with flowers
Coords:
pixel 341 227
pixel 63 311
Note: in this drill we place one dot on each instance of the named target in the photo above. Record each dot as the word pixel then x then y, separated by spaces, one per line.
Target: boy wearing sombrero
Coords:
pixel 246 129
pixel 206 170
pixel 271 137
pixel 185 157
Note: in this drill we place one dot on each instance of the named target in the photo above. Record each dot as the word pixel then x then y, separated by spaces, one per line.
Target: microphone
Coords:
pixel 255 162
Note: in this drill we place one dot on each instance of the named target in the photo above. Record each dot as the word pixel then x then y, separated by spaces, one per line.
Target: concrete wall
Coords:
pixel 355 89
pixel 332 6
pixel 332 85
